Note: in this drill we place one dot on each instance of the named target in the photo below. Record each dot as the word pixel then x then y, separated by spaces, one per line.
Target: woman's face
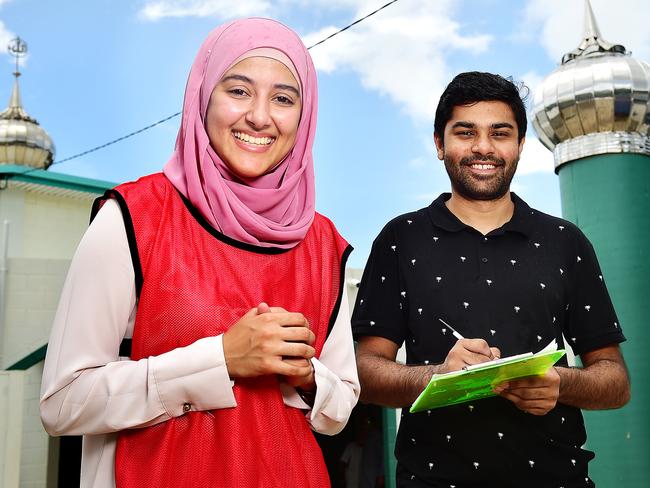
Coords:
pixel 253 115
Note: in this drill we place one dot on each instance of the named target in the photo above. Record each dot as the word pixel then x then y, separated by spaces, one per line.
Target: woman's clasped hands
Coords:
pixel 271 340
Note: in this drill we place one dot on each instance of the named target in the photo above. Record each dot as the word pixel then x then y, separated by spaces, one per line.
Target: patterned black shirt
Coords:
pixel 533 280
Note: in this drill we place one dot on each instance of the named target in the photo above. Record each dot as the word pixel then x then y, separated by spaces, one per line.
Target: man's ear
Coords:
pixel 521 145
pixel 440 147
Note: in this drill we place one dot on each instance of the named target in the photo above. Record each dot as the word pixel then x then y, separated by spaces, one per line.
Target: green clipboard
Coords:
pixel 477 381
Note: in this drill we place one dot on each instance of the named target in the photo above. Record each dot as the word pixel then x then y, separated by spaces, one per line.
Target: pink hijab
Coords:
pixel 277 208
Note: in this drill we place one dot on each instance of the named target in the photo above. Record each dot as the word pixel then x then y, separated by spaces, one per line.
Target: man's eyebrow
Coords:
pixel 502 125
pixel 463 124
pixel 471 125
pixel 246 79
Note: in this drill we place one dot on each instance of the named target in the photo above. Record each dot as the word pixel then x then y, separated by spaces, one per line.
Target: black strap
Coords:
pixel 125 348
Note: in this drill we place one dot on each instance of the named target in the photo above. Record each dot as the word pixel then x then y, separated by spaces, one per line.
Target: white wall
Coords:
pixel 53 225
pixel 11 423
pixel 32 295
pixel 45 227
pixel 35 441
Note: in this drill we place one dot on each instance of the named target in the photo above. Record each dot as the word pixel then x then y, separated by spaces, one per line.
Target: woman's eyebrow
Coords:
pixel 281 86
pixel 243 78
pixel 246 79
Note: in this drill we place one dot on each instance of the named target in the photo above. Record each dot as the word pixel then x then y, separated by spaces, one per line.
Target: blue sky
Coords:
pixel 99 69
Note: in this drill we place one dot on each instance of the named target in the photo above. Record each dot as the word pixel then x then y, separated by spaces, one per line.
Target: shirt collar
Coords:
pixel 521 221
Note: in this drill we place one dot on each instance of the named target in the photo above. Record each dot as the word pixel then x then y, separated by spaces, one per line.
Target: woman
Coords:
pixel 220 388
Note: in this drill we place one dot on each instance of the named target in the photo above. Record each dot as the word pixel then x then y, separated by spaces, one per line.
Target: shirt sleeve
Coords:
pixel 87 388
pixel 592 322
pixel 382 301
pixel 335 373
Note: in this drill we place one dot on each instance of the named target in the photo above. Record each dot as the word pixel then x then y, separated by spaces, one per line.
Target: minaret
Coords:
pixel 22 141
pixel 593 112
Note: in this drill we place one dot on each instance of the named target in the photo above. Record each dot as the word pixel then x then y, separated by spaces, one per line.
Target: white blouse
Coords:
pixel 89 390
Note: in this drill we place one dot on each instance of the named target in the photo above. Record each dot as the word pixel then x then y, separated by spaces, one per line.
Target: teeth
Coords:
pixel 260 141
pixel 483 166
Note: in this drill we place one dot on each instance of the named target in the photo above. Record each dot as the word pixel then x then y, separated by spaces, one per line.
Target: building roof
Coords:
pixel 40 180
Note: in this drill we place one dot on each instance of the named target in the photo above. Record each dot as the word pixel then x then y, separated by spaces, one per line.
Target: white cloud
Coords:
pixel 535 158
pixel 417 163
pixel 518 188
pixel 155 10
pixel 559 24
pixel 5 36
pixel 401 54
pixel 532 80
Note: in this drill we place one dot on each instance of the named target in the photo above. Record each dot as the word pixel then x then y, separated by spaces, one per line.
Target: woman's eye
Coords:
pixel 238 92
pixel 284 100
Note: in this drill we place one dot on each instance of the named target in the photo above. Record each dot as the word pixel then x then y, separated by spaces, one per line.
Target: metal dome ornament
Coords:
pixel 596 102
pixel 22 140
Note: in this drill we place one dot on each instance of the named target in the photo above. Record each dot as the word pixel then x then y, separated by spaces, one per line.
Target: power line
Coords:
pixel 150 126
pixel 130 134
pixel 352 24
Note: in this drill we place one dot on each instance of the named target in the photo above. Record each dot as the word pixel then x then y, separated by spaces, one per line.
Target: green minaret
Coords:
pixel 593 112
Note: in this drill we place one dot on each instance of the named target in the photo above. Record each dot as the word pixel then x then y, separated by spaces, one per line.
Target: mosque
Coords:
pixel 593 112
pixel 42 217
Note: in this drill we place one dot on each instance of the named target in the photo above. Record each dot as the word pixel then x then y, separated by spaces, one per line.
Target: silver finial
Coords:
pixel 22 141
pixel 591 26
pixel 596 102
pixel 18 49
pixel 592 40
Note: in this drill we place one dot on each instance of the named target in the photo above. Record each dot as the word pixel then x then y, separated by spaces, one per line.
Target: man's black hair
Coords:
pixel 474 86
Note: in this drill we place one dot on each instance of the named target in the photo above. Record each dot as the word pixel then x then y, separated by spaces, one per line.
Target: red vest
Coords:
pixel 194 282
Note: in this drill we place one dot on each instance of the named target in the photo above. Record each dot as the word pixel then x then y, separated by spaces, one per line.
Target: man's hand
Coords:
pixel 391 384
pixel 269 341
pixel 536 395
pixel 467 352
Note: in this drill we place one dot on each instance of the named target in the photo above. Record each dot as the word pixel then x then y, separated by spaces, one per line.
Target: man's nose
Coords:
pixel 483 145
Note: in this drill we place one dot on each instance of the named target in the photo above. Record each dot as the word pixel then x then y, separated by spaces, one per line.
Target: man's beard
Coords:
pixel 473 187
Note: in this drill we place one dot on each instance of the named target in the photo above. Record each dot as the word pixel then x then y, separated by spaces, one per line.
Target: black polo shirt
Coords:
pixel 533 280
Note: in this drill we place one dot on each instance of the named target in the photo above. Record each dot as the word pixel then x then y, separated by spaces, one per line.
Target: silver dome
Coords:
pixel 596 102
pixel 22 140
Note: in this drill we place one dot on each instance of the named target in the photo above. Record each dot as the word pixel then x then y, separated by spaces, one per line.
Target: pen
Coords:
pixel 454 332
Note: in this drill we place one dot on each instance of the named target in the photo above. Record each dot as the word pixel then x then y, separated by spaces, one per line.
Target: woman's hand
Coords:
pixel 270 341
pixel 305 382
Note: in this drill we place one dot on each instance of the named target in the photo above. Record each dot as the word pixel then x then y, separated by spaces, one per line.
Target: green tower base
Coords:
pixel 608 197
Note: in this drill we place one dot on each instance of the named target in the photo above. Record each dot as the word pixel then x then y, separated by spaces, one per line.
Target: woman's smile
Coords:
pixel 252 140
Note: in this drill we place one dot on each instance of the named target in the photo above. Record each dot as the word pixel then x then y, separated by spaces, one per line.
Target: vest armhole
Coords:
pixel 130 233
pixel 337 305
pixel 97 204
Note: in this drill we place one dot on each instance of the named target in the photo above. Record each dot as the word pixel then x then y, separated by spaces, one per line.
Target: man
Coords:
pixel 509 279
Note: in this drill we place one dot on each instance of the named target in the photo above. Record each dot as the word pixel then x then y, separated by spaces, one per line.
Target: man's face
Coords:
pixel 480 149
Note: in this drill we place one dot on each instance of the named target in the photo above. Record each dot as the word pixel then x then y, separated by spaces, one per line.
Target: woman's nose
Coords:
pixel 258 114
